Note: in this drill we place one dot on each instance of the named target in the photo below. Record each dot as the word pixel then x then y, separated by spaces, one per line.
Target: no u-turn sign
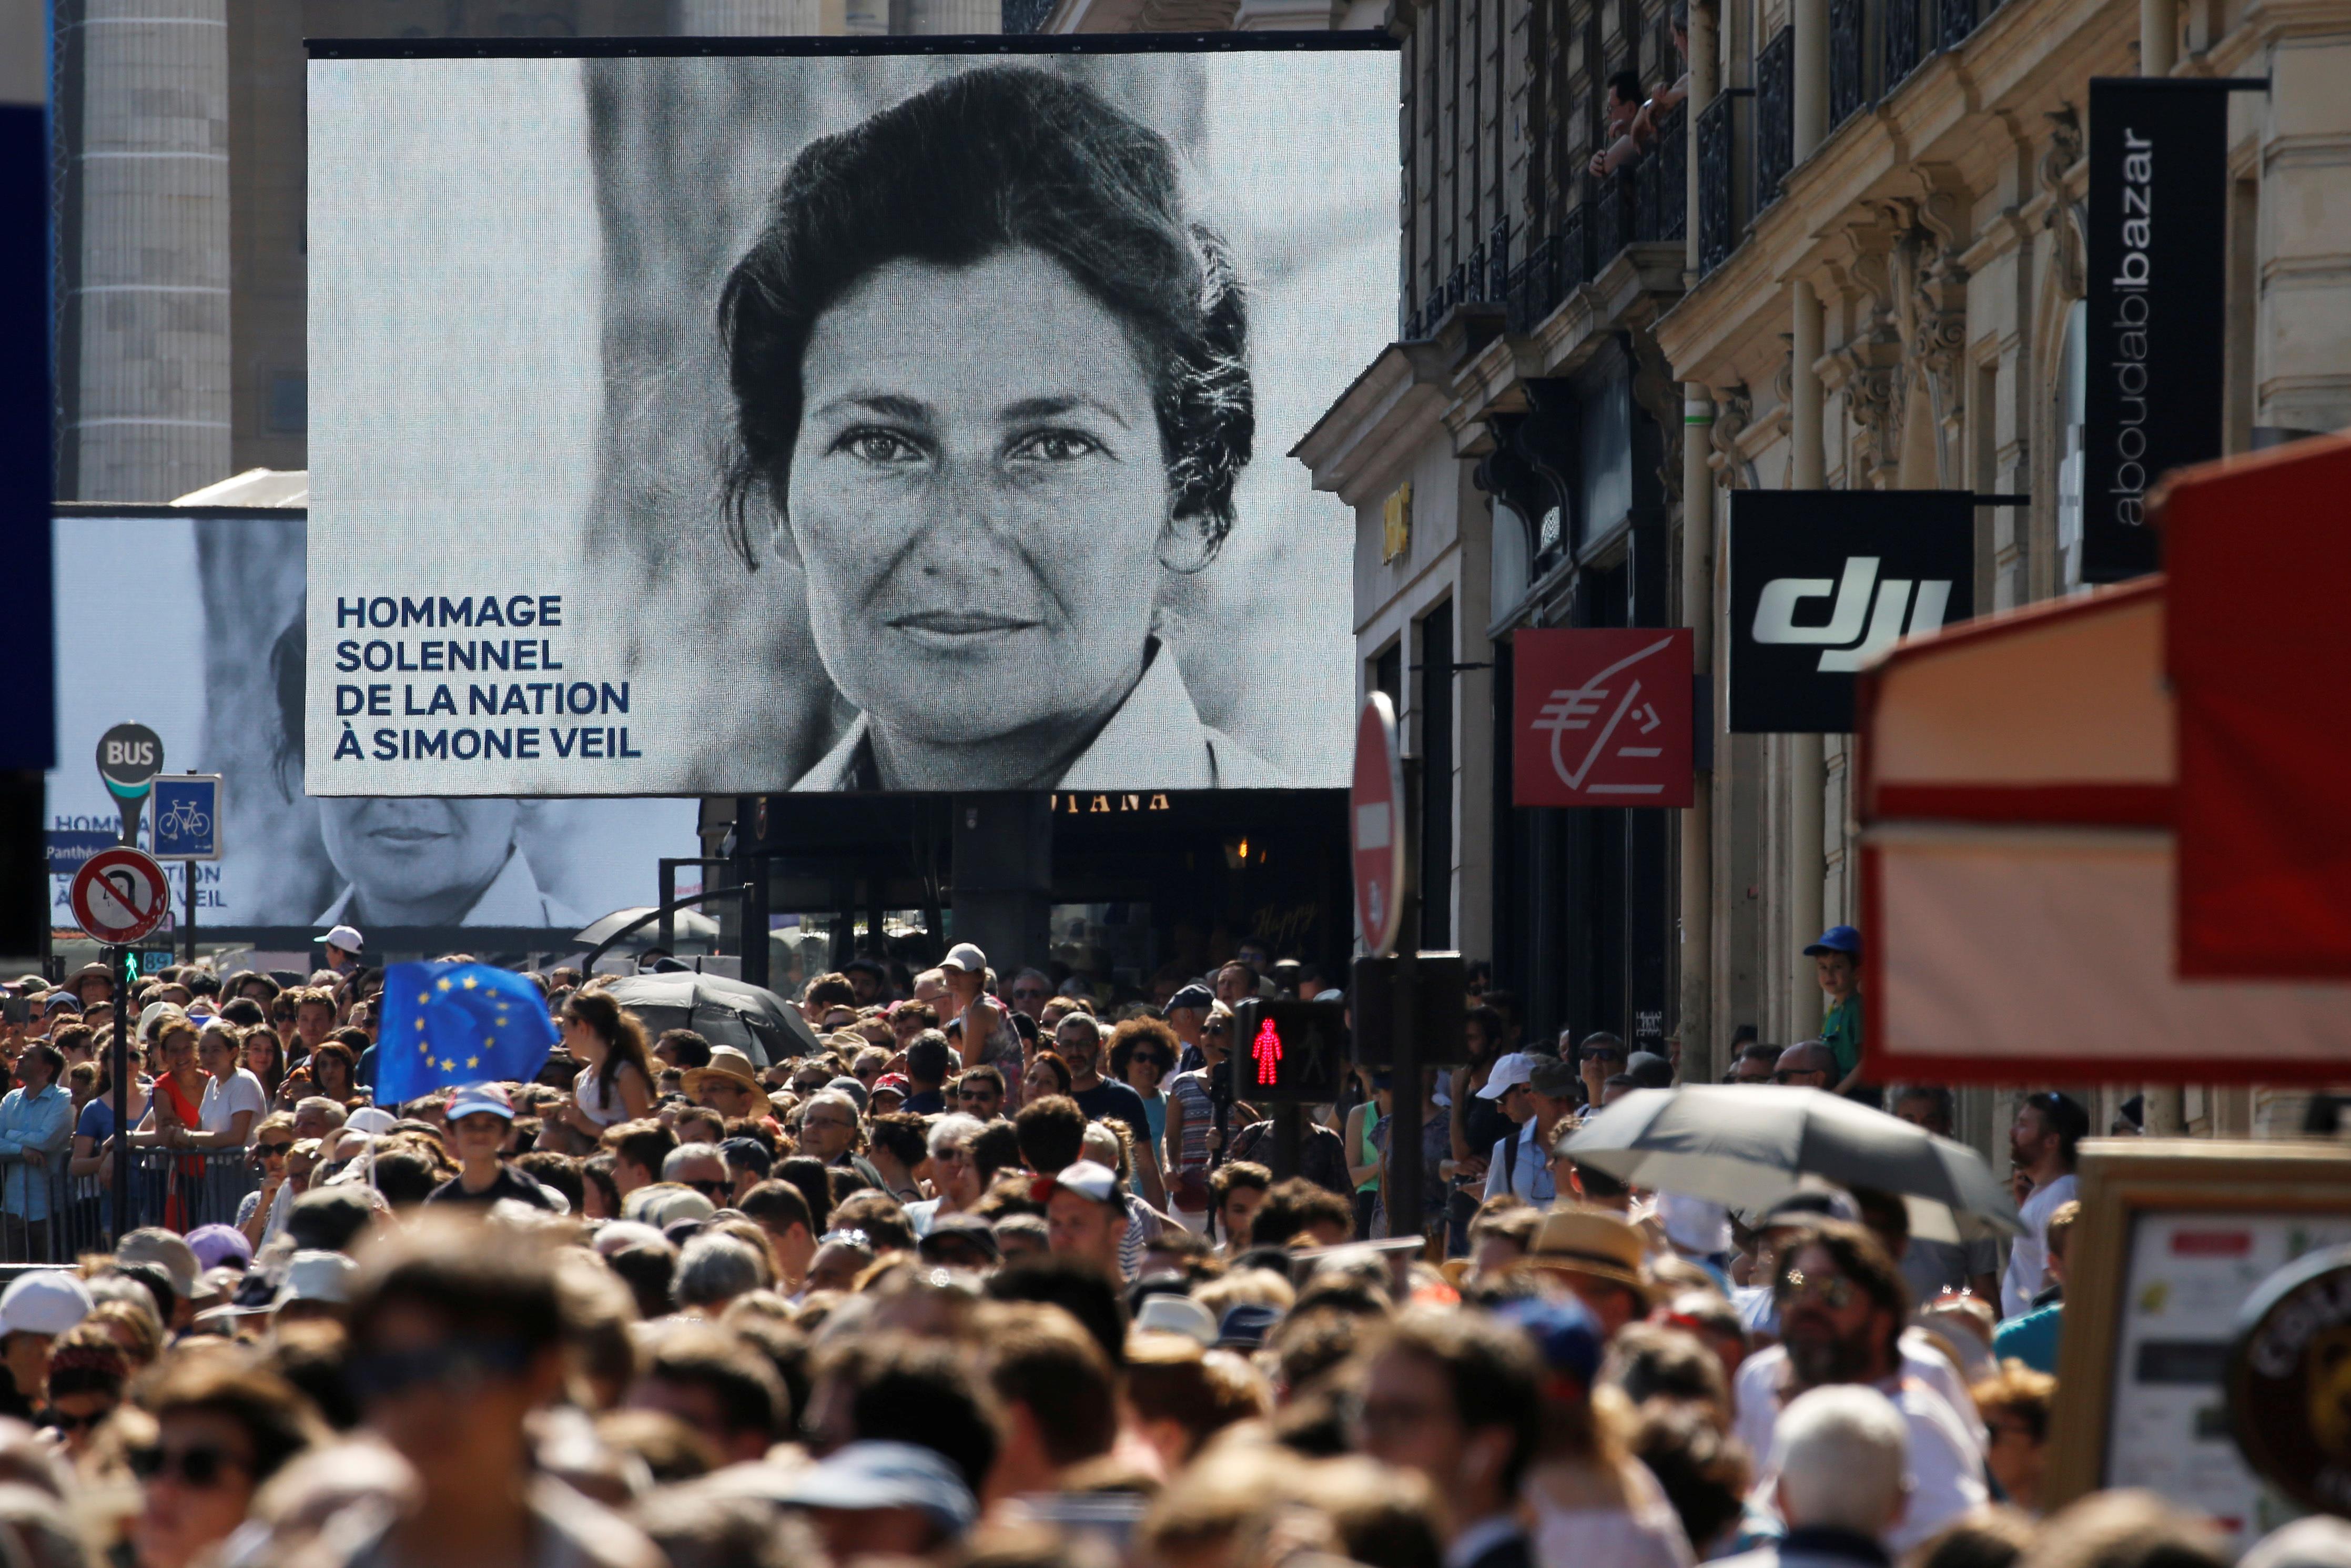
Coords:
pixel 119 895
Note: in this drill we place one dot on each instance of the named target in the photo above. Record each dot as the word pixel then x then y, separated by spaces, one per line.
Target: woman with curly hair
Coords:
pixel 991 388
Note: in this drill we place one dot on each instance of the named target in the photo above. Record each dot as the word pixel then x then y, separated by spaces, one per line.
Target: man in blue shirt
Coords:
pixel 36 1120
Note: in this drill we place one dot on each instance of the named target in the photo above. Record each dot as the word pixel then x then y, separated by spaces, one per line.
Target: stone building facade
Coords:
pixel 1857 262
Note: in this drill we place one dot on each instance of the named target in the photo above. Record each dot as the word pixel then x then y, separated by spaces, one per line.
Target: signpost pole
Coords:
pixel 1289 1133
pixel 1405 1175
pixel 191 910
pixel 124 1222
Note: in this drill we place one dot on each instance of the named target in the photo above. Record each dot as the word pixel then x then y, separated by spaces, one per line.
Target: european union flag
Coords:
pixel 457 1023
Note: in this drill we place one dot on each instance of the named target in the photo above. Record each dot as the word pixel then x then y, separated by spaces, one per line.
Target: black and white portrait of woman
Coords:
pixel 943 405
pixel 992 388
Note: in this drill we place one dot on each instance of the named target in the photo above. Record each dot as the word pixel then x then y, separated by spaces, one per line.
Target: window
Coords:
pixel 286 406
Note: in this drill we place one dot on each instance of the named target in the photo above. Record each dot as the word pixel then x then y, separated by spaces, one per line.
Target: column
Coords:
pixel 2158 47
pixel 1702 1043
pixel 1811 21
pixel 1807 775
pixel 147 408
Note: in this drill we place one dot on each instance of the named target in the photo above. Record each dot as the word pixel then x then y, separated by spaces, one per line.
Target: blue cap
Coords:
pixel 1245 1326
pixel 479 1099
pixel 1836 939
pixel 875 1475
pixel 1195 995
pixel 1563 1332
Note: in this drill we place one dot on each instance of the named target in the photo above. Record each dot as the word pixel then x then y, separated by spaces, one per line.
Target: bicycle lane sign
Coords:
pixel 187 819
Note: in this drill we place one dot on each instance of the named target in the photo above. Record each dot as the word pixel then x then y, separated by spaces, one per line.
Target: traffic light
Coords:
pixel 1440 1012
pixel 1289 1050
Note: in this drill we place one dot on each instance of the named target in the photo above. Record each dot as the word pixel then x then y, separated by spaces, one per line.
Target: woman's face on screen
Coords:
pixel 979 496
pixel 405 851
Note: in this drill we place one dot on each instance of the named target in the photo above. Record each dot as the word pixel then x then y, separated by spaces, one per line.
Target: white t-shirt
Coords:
pixel 225 1098
pixel 1755 1391
pixel 2028 1257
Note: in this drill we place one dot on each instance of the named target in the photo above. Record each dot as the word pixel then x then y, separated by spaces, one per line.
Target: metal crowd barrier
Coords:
pixel 48 1215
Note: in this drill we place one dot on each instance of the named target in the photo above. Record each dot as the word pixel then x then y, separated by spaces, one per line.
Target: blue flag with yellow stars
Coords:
pixel 457 1023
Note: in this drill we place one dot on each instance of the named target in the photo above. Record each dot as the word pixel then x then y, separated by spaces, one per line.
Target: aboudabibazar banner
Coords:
pixel 787 415
pixel 2154 308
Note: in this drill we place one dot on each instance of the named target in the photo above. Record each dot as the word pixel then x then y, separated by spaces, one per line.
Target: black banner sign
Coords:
pixel 2156 277
pixel 1824 580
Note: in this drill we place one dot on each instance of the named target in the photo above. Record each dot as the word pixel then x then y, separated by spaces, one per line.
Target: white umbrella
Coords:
pixel 1747 1147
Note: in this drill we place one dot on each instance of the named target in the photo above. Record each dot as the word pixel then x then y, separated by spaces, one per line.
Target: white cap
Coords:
pixel 1509 1073
pixel 317 1276
pixel 370 1119
pixel 1694 1224
pixel 1167 1313
pixel 47 1300
pixel 166 1251
pixel 347 938
pixel 967 958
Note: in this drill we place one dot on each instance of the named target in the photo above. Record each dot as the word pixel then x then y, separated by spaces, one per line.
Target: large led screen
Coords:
pixel 212 660
pixel 746 423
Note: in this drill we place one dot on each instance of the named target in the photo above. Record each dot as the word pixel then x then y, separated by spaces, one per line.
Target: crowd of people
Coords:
pixel 998 1275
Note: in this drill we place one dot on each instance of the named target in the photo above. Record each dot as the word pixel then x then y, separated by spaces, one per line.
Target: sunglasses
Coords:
pixel 1161 1063
pixel 196 1467
pixel 1603 1053
pixel 380 1375
pixel 722 1190
pixel 1215 1029
pixel 64 1423
pixel 1834 1290
pixel 987 1093
pixel 274 1151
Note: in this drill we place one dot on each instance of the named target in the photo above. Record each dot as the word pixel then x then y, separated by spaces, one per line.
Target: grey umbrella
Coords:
pixel 1747 1147
pixel 752 1018
pixel 692 926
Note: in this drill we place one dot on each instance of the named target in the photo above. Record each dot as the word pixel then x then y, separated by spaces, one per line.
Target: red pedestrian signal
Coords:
pixel 1266 1052
pixel 1297 1050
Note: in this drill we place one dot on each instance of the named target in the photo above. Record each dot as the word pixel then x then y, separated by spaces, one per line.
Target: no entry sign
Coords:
pixel 1376 825
pixel 119 895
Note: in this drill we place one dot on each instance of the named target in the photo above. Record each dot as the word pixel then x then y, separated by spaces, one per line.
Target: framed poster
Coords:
pixel 2174 1236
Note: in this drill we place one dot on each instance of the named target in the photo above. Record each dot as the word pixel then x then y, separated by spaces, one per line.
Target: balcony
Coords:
pixel 1552 267
pixel 1661 196
pixel 1718 187
pixel 1849 82
pixel 1775 116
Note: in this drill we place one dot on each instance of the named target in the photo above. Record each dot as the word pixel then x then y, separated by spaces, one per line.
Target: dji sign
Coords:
pixel 1822 582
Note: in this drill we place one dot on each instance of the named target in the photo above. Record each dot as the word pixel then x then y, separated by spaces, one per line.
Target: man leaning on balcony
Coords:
pixel 36 1120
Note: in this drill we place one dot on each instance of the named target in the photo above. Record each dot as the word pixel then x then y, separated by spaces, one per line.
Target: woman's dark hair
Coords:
pixel 1136 1031
pixel 808 1174
pixel 597 1168
pixel 988 160
pixel 1053 1058
pixel 902 1137
pixel 623 1037
pixel 275 1073
pixel 336 1052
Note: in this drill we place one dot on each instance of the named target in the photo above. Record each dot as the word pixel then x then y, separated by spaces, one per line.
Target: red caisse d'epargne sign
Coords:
pixel 1601 717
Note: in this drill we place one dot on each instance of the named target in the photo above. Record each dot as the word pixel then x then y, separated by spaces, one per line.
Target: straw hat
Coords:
pixel 1592 1242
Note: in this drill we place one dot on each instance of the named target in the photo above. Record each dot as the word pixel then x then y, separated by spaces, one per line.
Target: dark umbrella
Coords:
pixel 692 926
pixel 1746 1146
pixel 752 1018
